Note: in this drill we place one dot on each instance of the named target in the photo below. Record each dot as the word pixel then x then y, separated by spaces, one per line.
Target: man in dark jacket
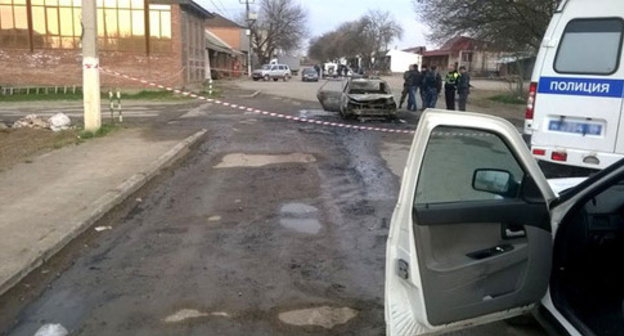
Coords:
pixel 406 83
pixel 450 87
pixel 463 88
pixel 414 81
pixel 421 85
pixel 433 84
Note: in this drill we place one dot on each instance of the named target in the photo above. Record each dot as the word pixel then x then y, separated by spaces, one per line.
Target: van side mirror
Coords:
pixel 492 181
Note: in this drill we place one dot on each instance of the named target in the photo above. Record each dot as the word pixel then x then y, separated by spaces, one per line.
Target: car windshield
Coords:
pixel 309 71
pixel 266 67
pixel 364 87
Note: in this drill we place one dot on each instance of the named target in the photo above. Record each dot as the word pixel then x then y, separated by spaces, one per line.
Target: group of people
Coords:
pixel 429 82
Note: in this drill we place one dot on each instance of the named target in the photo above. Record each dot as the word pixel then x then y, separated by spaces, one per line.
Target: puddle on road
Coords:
pixel 260 160
pixel 309 226
pixel 395 155
pixel 300 217
pixel 298 209
pixel 326 317
pixel 311 114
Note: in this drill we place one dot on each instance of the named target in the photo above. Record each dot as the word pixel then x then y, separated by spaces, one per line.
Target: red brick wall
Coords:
pixel 231 36
pixel 64 67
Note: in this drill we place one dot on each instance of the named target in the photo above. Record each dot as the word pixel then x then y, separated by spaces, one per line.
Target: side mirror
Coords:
pixel 492 181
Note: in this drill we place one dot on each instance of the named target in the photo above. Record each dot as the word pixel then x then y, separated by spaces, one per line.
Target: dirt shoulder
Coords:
pixel 20 145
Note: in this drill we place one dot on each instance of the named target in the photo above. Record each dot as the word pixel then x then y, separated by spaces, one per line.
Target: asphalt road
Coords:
pixel 266 217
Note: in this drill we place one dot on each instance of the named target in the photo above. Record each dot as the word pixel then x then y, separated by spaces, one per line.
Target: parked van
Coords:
pixel 574 110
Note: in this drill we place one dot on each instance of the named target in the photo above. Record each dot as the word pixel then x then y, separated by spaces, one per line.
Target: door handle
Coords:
pixel 514 234
pixel 513 231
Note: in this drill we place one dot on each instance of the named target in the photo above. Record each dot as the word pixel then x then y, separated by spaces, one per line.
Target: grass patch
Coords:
pixel 40 97
pixel 508 99
pixel 104 130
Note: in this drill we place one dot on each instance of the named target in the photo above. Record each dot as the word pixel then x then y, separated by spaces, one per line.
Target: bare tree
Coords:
pixel 365 37
pixel 281 25
pixel 511 25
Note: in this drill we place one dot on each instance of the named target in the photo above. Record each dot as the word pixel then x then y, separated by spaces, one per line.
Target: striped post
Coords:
pixel 119 106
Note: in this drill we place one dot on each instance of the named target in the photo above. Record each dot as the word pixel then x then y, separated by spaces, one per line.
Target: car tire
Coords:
pixel 286 78
pixel 266 78
pixel 275 79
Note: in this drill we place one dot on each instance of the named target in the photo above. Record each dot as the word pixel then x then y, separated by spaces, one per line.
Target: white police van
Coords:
pixel 574 111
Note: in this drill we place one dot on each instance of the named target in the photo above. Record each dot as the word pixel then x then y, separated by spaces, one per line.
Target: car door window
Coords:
pixel 451 159
pixel 274 68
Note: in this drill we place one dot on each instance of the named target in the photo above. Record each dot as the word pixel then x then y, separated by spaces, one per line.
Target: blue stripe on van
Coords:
pixel 581 86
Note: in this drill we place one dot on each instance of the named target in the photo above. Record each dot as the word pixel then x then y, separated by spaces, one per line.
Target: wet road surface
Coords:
pixel 266 218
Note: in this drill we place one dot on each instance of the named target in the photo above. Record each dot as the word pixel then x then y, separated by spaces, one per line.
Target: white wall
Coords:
pixel 401 60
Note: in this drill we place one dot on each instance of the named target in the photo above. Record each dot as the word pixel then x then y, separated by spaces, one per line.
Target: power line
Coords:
pixel 225 9
pixel 217 7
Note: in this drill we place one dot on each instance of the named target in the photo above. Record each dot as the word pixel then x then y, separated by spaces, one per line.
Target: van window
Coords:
pixel 281 67
pixel 590 46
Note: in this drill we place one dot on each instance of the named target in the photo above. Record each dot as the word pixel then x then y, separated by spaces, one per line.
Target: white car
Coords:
pixel 478 235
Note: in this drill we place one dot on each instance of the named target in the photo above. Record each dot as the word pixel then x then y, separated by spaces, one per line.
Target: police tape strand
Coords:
pixel 254 110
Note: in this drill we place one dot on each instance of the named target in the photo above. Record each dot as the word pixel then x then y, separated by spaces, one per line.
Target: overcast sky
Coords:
pixel 326 15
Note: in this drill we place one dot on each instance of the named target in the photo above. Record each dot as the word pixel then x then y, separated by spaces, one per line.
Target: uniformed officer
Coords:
pixel 450 87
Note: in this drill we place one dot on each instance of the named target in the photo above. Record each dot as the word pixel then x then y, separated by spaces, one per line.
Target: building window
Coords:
pixel 14 24
pixel 160 28
pixel 56 24
pixel 121 25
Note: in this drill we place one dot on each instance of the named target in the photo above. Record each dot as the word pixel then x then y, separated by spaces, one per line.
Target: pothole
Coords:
pixel 298 209
pixel 186 314
pixel 300 217
pixel 261 160
pixel 326 317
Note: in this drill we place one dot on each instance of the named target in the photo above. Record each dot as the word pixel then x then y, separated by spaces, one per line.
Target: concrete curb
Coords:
pixel 105 204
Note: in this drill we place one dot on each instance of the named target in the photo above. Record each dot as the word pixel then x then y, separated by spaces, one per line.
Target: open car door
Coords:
pixel 330 95
pixel 470 240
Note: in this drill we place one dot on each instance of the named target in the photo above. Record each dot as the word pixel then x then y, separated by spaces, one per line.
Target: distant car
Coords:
pixel 309 75
pixel 360 97
pixel 272 71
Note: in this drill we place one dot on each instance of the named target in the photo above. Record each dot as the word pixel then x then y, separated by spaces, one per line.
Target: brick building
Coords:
pixel 161 40
pixel 464 51
pixel 228 46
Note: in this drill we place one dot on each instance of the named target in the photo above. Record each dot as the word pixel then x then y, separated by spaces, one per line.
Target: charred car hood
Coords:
pixel 369 96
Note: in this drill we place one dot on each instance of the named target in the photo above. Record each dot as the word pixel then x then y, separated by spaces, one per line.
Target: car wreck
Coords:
pixel 360 98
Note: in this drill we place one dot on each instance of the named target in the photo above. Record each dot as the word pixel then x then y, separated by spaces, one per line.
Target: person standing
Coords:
pixel 406 83
pixel 438 86
pixel 450 87
pixel 421 85
pixel 432 86
pixel 413 82
pixel 463 88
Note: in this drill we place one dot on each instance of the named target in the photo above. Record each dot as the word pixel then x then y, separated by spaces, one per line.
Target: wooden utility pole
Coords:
pixel 249 23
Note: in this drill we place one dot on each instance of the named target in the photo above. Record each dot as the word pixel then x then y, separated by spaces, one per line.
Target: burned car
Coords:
pixel 360 98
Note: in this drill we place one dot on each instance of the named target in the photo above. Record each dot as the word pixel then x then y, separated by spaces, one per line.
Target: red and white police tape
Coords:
pixel 254 110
